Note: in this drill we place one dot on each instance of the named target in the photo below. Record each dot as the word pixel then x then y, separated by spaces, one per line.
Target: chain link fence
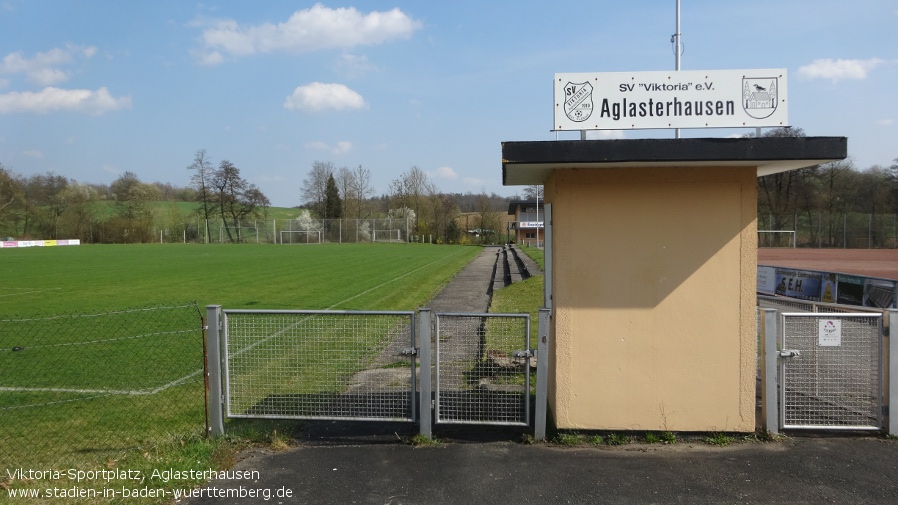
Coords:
pixel 832 381
pixel 849 230
pixel 483 368
pixel 349 365
pixel 98 383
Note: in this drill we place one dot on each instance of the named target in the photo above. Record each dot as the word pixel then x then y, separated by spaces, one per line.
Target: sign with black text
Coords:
pixel 686 99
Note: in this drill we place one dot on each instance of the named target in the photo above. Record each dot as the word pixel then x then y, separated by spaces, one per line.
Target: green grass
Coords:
pixel 536 254
pixel 326 276
pixel 524 297
pixel 165 430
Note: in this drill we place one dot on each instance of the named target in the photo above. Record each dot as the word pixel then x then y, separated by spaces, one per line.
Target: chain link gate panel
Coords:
pixel 338 365
pixel 483 366
pixel 831 371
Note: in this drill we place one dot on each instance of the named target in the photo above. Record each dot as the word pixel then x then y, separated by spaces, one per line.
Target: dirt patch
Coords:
pixel 869 262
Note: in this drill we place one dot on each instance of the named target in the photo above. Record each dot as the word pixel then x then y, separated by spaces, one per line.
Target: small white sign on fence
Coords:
pixel 829 332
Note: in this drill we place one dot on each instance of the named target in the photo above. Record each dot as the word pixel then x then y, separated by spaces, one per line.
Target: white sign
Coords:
pixel 530 224
pixel 686 99
pixel 829 332
pixel 766 280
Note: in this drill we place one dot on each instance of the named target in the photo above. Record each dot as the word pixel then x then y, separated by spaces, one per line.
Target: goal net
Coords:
pixel 390 235
pixel 300 236
pixel 776 238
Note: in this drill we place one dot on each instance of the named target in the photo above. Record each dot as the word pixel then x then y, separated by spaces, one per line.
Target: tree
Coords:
pixel 778 193
pixel 410 190
pixel 893 184
pixel 81 214
pixel 314 186
pixel 202 171
pixel 11 199
pixel 533 192
pixel 236 198
pixel 333 205
pixel 355 190
pixel 42 205
pixel 134 201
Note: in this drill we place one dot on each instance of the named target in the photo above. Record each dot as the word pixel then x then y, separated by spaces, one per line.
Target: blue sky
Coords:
pixel 92 89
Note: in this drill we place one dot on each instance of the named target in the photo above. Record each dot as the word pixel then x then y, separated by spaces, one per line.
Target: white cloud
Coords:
pixel 34 154
pixel 446 173
pixel 885 122
pixel 54 99
pixel 308 30
pixel 319 96
pixel 343 146
pixel 828 68
pixel 43 69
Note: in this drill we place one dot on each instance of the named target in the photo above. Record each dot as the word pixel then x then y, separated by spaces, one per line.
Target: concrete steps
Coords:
pixel 512 265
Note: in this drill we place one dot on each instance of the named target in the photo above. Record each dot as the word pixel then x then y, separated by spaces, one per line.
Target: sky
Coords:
pixel 92 89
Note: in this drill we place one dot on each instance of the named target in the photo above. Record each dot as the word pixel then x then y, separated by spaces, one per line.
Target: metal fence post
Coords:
pixel 892 320
pixel 542 375
pixel 425 360
pixel 213 371
pixel 769 414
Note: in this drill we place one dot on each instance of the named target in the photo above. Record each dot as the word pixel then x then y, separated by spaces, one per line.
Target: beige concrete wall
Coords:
pixel 654 298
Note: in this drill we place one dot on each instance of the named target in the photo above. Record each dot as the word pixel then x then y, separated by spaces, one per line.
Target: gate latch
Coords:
pixel 411 351
pixel 789 353
pixel 522 354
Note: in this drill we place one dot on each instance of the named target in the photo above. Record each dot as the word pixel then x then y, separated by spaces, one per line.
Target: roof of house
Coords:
pixel 525 163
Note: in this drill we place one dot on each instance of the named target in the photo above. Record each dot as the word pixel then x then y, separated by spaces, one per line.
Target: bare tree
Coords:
pixel 202 169
pixel 410 190
pixel 314 186
pixel 236 198
pixel 362 190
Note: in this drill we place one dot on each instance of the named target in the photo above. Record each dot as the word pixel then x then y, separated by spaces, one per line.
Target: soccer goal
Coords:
pixel 390 235
pixel 777 238
pixel 300 236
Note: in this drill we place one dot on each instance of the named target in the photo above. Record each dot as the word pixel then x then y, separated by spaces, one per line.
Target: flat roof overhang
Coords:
pixel 526 163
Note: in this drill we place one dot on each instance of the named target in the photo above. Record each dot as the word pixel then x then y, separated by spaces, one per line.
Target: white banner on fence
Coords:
pixel 37 243
pixel 688 99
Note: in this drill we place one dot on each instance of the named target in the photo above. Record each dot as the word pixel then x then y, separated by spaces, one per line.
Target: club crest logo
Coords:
pixel 578 101
pixel 759 96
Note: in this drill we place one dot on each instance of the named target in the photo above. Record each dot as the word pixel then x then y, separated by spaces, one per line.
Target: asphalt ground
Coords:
pixel 791 470
pixel 376 463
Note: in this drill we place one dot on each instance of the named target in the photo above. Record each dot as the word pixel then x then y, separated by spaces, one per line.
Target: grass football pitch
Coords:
pixel 61 405
pixel 55 280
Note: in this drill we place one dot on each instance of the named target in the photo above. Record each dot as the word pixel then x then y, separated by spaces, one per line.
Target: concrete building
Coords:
pixel 653 263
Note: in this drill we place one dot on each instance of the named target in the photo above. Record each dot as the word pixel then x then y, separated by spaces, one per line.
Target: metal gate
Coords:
pixel 483 364
pixel 831 371
pixel 345 365
pixel 360 366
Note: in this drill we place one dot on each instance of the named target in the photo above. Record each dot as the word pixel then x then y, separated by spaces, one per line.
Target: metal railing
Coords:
pixel 347 365
pixel 827 370
pixel 483 364
pixel 355 365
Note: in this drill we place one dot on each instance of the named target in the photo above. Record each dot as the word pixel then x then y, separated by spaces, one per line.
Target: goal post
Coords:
pixel 389 235
pixel 777 238
pixel 300 237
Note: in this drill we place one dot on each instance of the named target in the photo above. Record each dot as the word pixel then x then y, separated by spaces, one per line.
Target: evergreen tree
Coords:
pixel 333 205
